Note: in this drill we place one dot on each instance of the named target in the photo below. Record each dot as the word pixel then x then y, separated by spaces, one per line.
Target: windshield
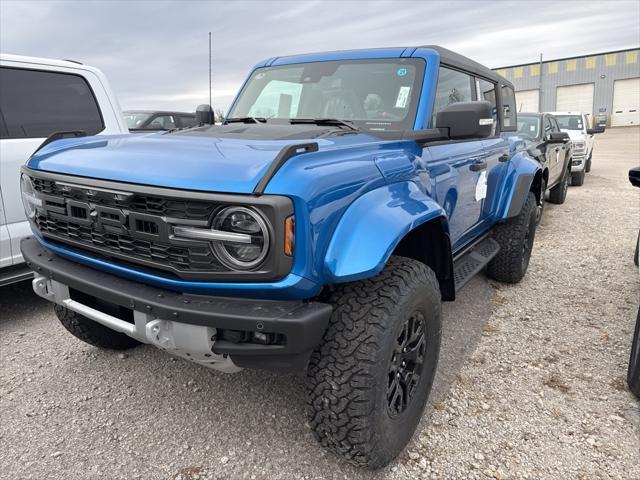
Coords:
pixel 528 126
pixel 136 119
pixel 372 94
pixel 570 122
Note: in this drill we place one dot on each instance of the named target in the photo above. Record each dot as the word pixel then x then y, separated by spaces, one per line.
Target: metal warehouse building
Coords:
pixel 605 85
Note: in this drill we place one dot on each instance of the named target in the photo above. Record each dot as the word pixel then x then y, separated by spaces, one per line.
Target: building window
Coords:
pixel 610 59
pixel 571 65
pixel 534 70
pixel 590 63
pixel 552 67
pixel 631 57
pixel 502 72
pixel 518 72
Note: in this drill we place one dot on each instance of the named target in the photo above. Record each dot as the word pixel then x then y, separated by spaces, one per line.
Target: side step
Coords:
pixel 474 260
pixel 16 273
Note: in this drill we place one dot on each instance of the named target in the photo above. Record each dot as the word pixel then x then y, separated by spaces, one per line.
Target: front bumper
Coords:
pixel 187 325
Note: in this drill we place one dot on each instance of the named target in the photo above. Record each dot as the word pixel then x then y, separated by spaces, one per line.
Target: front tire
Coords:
pixel 92 332
pixel 587 166
pixel 369 379
pixel 540 204
pixel 558 194
pixel 515 238
pixel 577 179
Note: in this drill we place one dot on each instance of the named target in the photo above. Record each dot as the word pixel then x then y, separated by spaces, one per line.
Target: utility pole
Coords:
pixel 210 69
pixel 540 86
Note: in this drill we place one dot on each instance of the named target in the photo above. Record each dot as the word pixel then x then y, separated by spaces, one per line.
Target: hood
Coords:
pixel 225 163
pixel 575 135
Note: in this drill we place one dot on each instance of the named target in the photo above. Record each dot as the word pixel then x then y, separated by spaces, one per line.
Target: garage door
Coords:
pixel 575 98
pixel 527 100
pixel 626 102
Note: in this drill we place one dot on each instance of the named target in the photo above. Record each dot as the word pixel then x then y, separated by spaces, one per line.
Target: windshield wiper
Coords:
pixel 325 121
pixel 246 120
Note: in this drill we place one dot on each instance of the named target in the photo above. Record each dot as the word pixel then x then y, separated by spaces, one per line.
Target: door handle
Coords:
pixel 478 165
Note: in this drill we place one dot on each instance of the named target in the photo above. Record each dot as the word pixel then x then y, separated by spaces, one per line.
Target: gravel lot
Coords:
pixel 531 383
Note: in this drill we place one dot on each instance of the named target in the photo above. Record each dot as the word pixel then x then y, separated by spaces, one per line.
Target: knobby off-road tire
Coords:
pixel 540 204
pixel 577 179
pixel 356 376
pixel 515 238
pixel 558 194
pixel 633 373
pixel 92 332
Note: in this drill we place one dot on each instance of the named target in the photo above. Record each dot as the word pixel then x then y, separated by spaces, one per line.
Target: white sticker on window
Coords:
pixel 481 187
pixel 403 97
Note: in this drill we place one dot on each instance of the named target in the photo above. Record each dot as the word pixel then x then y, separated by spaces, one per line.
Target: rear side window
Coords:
pixel 36 104
pixel 487 93
pixel 508 109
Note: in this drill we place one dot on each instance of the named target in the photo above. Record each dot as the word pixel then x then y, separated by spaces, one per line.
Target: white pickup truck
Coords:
pixel 577 125
pixel 40 97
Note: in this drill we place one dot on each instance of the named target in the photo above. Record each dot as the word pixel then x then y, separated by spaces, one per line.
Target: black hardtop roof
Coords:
pixel 456 60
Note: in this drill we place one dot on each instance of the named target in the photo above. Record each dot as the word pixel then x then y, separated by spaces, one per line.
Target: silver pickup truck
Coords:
pixel 39 97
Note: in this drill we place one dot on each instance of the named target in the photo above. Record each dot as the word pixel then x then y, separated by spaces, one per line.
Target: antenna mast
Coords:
pixel 209 68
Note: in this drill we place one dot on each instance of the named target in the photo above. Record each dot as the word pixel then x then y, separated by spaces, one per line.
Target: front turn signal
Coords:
pixel 289 235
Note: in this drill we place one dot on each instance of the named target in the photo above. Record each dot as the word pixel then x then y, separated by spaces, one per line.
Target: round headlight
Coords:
pixel 29 200
pixel 252 250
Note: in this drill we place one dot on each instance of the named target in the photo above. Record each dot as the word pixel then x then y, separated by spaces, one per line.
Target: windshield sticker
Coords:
pixel 403 97
pixel 402 72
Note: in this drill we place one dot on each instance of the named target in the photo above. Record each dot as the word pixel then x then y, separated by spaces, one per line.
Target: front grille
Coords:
pixel 128 226
pixel 149 204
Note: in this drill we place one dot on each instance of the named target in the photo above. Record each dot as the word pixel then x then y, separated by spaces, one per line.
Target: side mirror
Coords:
pixel 466 119
pixel 594 130
pixel 634 176
pixel 204 115
pixel 558 137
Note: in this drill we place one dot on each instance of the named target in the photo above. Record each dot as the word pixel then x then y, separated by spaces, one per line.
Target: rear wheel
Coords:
pixel 515 238
pixel 558 194
pixel 368 381
pixel 92 332
pixel 577 179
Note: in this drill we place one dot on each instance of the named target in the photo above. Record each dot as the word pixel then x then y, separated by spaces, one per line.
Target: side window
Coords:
pixel 508 108
pixel 278 99
pixel 453 87
pixel 164 122
pixel 36 104
pixel 487 92
pixel 187 121
pixel 554 124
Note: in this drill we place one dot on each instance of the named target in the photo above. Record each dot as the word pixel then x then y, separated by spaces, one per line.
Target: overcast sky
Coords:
pixel 155 52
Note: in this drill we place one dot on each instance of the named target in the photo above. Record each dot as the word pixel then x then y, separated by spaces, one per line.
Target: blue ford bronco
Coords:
pixel 346 195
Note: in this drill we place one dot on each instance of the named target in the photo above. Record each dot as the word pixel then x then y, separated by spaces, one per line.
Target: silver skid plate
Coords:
pixel 193 342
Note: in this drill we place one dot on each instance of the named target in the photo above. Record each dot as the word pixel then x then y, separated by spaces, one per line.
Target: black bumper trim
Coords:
pixel 303 323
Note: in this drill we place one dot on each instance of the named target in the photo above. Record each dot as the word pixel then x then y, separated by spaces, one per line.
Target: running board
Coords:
pixel 474 260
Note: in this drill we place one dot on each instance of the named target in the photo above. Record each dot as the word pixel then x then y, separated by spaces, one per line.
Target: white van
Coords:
pixel 38 97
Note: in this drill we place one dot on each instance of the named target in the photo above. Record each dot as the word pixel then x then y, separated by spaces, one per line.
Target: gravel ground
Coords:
pixel 531 383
